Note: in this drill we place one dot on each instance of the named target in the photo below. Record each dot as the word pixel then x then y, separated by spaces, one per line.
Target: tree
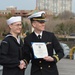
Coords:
pixel 66 15
pixel 60 28
pixel 66 27
pixel 9 15
pixel 3 26
pixel 25 28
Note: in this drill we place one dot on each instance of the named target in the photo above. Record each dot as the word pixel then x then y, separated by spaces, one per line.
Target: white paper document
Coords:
pixel 39 49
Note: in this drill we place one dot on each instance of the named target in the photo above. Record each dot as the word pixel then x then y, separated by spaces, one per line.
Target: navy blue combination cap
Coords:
pixel 39 16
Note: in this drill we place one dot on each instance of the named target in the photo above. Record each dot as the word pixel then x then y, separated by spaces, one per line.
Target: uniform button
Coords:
pixel 49 66
pixel 39 61
pixel 41 68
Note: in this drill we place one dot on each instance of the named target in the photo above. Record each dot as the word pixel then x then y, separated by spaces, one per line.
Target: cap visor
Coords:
pixel 41 21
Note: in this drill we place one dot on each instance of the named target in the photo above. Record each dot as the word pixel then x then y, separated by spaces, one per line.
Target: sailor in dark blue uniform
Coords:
pixel 47 64
pixel 11 49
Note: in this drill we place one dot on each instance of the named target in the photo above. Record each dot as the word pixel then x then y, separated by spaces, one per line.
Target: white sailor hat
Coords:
pixel 13 19
pixel 38 16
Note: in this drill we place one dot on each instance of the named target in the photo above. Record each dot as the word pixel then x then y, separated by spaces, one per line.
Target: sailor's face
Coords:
pixel 16 27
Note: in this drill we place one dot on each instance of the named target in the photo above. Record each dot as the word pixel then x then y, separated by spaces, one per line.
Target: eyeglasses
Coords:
pixel 17 25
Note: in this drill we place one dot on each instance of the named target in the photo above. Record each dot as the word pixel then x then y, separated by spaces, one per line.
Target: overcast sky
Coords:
pixel 24 4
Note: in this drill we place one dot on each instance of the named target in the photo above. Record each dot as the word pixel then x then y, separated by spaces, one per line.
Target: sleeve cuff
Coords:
pixel 25 61
pixel 56 58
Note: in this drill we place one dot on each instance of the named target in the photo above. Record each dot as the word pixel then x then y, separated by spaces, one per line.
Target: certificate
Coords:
pixel 39 49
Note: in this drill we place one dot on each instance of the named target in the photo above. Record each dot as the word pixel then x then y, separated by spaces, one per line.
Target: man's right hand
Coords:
pixel 22 64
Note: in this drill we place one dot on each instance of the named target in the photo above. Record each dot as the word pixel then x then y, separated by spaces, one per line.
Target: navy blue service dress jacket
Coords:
pixel 11 54
pixel 40 66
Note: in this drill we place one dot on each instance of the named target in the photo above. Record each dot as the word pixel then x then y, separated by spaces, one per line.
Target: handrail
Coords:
pixel 71 52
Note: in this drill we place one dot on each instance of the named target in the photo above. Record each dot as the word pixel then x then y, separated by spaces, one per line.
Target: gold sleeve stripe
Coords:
pixel 25 61
pixel 56 56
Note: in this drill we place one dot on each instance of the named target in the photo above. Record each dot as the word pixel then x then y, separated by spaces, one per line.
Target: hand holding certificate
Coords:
pixel 39 49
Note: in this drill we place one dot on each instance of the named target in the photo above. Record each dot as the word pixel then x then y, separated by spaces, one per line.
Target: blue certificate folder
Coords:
pixel 39 49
